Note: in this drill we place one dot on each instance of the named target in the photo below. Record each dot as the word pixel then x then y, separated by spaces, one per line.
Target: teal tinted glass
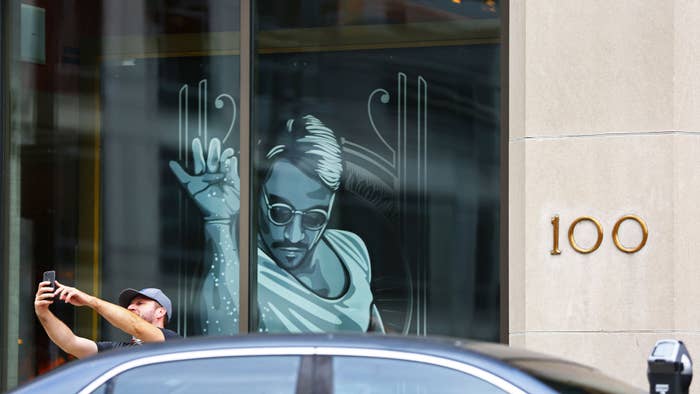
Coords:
pixel 391 108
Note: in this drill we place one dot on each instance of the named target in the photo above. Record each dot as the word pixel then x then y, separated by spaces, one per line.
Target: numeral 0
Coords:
pixel 599 229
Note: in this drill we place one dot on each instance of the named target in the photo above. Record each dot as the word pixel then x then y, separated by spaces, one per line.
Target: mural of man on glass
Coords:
pixel 376 173
pixel 311 278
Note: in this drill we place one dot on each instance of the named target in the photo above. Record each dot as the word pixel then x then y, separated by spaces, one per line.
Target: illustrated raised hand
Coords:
pixel 214 185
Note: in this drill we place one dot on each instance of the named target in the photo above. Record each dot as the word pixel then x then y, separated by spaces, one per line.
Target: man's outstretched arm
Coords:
pixel 117 316
pixel 59 333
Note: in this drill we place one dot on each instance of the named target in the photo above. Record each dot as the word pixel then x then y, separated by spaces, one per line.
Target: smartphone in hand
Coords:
pixel 50 276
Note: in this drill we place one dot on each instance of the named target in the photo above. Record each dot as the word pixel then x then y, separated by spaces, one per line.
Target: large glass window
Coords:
pixel 374 165
pixel 377 161
pixel 106 99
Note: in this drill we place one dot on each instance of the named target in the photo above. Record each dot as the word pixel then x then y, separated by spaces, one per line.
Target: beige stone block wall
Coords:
pixel 686 234
pixel 596 66
pixel 686 99
pixel 604 177
pixel 517 299
pixel 604 121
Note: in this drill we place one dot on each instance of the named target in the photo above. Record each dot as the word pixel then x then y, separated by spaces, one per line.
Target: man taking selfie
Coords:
pixel 141 314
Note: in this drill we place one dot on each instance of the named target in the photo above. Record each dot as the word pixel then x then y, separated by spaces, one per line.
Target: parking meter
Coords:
pixel 670 368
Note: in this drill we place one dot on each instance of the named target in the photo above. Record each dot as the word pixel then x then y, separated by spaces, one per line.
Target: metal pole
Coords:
pixel 4 130
pixel 245 169
pixel 10 194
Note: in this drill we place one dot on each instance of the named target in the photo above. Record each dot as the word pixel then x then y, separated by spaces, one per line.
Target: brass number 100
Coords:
pixel 599 229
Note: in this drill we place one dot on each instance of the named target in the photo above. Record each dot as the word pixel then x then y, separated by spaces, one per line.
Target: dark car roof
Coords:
pixel 494 358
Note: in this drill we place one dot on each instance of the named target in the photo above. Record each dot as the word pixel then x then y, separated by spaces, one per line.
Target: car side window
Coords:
pixel 378 375
pixel 248 374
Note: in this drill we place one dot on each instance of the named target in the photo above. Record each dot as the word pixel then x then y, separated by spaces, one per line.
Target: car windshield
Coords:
pixel 570 378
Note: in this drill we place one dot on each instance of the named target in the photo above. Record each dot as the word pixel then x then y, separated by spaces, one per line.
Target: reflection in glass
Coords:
pixel 103 167
pixel 376 375
pixel 411 92
pixel 254 374
pixel 94 125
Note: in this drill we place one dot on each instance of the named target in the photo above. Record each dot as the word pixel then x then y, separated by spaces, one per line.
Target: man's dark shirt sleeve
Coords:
pixel 170 334
pixel 109 345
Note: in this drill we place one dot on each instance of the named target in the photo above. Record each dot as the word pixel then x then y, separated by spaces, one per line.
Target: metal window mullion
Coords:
pixel 10 195
pixel 3 261
pixel 247 277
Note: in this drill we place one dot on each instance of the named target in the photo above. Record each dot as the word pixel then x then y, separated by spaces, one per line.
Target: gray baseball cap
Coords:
pixel 156 295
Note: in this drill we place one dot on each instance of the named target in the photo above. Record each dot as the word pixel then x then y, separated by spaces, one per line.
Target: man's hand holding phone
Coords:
pixel 45 293
pixel 51 290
